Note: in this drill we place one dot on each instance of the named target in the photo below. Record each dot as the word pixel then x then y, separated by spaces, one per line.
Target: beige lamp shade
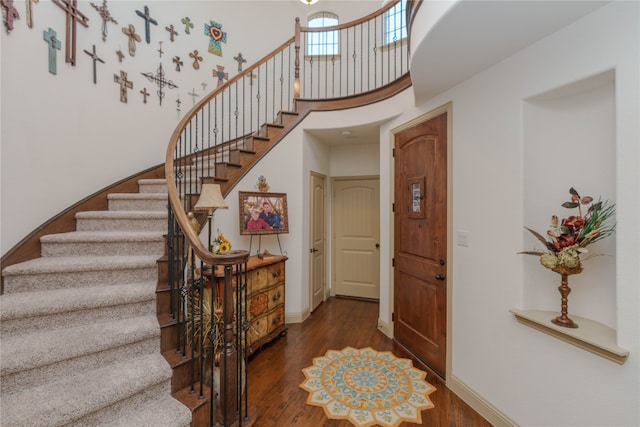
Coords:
pixel 210 198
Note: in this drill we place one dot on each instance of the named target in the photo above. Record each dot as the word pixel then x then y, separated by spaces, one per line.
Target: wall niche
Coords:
pixel 569 141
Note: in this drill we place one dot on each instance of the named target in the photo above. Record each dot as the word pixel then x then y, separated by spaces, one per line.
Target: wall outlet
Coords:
pixel 462 238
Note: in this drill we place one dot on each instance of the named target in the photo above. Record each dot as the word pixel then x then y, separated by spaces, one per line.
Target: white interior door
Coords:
pixel 356 223
pixel 317 251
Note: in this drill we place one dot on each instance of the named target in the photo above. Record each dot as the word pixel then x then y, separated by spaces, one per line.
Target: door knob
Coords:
pixel 377 245
pixel 439 276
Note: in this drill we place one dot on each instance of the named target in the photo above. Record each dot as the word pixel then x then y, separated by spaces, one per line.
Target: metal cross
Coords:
pixel 130 31
pixel 187 24
pixel 161 81
pixel 172 32
pixel 120 55
pixel 30 12
pixel 106 17
pixel 73 16
pixel 11 13
pixel 240 60
pixel 50 37
pixel 221 75
pixel 124 85
pixel 196 59
pixel 147 20
pixel 95 58
pixel 204 86
pixel 160 51
pixel 178 103
pixel 176 60
pixel 145 94
pixel 193 95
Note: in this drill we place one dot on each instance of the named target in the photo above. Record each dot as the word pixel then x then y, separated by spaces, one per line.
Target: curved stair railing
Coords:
pixel 218 141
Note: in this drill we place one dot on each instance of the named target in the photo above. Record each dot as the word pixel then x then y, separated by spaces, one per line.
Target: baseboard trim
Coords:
pixel 477 402
pixel 384 328
pixel 296 317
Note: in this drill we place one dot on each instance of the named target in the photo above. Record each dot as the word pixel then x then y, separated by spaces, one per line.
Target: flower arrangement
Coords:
pixel 220 244
pixel 570 237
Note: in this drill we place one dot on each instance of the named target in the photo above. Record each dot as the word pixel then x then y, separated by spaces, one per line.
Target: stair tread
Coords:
pixel 74 263
pixel 121 214
pixel 103 236
pixel 68 399
pixel 138 196
pixel 47 302
pixel 33 350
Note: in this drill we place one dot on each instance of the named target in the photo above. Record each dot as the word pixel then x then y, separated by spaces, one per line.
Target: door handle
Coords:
pixel 312 250
pixel 378 245
pixel 439 276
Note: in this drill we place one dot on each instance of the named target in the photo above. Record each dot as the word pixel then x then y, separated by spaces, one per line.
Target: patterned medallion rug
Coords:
pixel 367 387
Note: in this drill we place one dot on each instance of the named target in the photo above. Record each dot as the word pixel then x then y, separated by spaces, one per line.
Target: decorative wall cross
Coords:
pixel 217 36
pixel 73 16
pixel 50 37
pixel 147 20
pixel 161 81
pixel 221 75
pixel 120 55
pixel 172 32
pixel 196 59
pixel 130 31
pixel 204 86
pixel 193 95
pixel 240 60
pixel 176 60
pixel 145 94
pixel 29 6
pixel 187 24
pixel 124 85
pixel 95 58
pixel 160 51
pixel 11 13
pixel 106 17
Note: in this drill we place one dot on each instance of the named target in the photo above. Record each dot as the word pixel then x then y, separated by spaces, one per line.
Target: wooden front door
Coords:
pixel 356 224
pixel 420 247
pixel 317 238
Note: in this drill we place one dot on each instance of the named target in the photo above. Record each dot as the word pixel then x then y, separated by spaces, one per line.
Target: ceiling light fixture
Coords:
pixel 309 2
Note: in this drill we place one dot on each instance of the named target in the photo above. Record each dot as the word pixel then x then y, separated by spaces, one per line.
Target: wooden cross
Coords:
pixel 196 59
pixel 217 36
pixel 176 60
pixel 194 95
pixel 130 31
pixel 30 12
pixel 95 58
pixel 124 85
pixel 160 51
pixel 50 37
pixel 240 60
pixel 221 75
pixel 172 32
pixel 187 24
pixel 106 17
pixel 147 20
pixel 120 55
pixel 11 13
pixel 73 16
pixel 160 80
pixel 145 94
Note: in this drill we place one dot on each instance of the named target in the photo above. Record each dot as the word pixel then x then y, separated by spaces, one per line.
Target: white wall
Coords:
pixel 535 379
pixel 64 138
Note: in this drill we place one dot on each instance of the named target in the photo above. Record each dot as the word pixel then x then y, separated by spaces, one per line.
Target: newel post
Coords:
pixel 296 82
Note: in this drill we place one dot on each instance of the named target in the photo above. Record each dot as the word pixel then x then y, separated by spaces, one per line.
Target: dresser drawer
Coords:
pixel 276 296
pixel 259 328
pixel 257 279
pixel 258 304
pixel 276 318
pixel 275 274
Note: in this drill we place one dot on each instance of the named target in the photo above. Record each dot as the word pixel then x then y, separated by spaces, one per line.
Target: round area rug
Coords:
pixel 367 387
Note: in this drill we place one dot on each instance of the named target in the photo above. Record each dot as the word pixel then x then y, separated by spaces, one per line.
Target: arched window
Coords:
pixel 325 42
pixel 395 23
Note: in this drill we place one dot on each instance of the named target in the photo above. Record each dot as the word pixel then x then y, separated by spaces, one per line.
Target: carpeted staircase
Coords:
pixel 80 340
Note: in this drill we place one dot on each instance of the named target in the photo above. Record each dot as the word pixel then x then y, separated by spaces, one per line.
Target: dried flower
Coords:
pixel 571 236
pixel 220 244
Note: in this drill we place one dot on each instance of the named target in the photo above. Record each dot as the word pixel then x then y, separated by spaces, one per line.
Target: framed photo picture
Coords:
pixel 263 213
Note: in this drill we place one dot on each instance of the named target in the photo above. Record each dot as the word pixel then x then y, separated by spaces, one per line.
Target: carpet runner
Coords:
pixel 367 387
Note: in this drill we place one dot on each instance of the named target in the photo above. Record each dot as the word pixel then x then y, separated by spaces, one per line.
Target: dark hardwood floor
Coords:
pixel 275 371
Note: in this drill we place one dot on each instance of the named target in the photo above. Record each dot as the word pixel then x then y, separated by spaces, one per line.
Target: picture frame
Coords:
pixel 263 213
